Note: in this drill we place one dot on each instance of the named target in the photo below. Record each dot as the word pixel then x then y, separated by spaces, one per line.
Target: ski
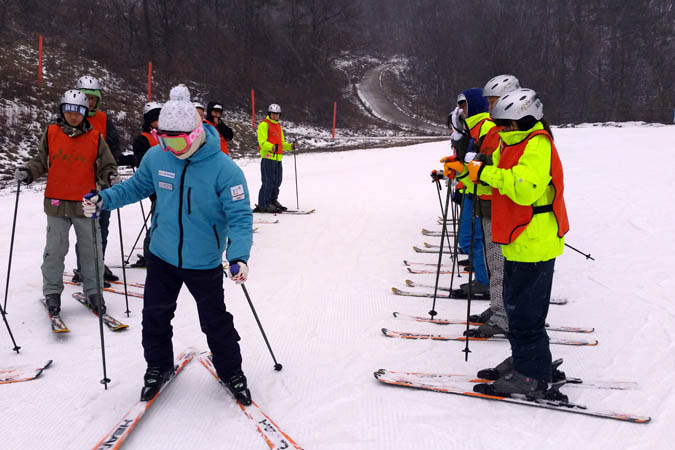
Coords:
pixel 263 221
pixel 549 327
pixel 427 271
pixel 444 337
pixel 436 233
pixel 112 290
pixel 440 295
pixel 415 263
pixel 116 436
pixel 58 325
pixel 554 301
pixel 441 379
pixel 299 211
pixel 138 285
pixel 382 376
pixel 275 438
pixel 18 375
pixel 108 320
pixel 431 250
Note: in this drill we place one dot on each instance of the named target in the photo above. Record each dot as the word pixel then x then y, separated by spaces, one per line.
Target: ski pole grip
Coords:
pixel 88 196
pixel 234 269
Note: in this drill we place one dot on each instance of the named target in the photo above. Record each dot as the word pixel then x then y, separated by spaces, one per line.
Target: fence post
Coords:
pixel 150 80
pixel 334 114
pixel 40 61
pixel 253 109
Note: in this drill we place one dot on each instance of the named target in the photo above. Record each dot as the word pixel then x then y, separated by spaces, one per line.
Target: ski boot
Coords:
pixel 108 275
pixel 94 300
pixel 494 373
pixel 279 205
pixel 558 375
pixel 153 381
pixel 53 302
pixel 482 317
pixel 486 330
pixel 140 262
pixel 237 385
pixel 516 384
pixel 77 278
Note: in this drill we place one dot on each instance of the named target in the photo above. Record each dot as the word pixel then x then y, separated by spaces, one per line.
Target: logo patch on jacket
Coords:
pixel 237 192
pixel 164 173
pixel 167 186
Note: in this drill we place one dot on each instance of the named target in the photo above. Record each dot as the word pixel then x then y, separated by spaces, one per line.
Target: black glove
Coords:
pixel 22 174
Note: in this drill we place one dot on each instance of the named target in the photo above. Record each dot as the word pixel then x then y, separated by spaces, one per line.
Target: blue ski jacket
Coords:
pixel 202 205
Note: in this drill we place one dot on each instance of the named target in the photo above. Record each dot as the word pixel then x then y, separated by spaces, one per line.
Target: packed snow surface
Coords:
pixel 321 286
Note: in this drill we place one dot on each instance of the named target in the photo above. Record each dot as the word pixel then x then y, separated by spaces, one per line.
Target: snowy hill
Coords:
pixel 321 286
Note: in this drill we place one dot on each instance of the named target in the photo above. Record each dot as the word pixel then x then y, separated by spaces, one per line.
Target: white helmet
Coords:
pixel 518 104
pixel 500 85
pixel 88 82
pixel 198 105
pixel 274 108
pixel 461 98
pixel 77 99
pixel 150 106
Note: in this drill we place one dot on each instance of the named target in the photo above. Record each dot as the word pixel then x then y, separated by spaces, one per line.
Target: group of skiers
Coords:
pixel 200 209
pixel 510 181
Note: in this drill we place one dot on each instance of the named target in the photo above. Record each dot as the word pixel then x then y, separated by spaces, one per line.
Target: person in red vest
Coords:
pixel 141 144
pixel 214 117
pixel 272 145
pixel 529 220
pixel 76 160
pixel 102 123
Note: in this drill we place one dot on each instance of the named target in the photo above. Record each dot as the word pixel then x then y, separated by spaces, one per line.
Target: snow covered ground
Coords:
pixel 321 285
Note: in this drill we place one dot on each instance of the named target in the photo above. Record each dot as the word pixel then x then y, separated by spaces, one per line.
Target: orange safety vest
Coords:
pixel 274 137
pixel 152 140
pixel 510 219
pixel 71 164
pixel 488 146
pixel 99 122
pixel 475 130
pixel 223 143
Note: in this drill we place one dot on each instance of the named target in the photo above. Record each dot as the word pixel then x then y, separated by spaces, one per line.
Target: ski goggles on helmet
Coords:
pixel 177 142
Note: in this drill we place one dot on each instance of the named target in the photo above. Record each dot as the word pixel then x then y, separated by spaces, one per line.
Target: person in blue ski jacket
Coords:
pixel 202 210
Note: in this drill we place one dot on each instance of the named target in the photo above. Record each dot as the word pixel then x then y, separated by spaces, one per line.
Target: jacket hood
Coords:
pixel 476 102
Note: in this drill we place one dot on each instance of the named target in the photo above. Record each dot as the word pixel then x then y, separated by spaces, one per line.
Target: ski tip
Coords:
pixel 385 331
pixel 394 290
pixel 395 314
pixel 410 270
pixel 410 283
pixel 378 373
pixel 49 363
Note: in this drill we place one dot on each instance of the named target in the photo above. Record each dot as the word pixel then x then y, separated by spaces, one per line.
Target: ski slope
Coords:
pixel 321 286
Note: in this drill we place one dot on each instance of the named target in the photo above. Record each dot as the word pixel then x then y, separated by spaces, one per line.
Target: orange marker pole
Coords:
pixel 40 61
pixel 253 108
pixel 149 80
pixel 334 115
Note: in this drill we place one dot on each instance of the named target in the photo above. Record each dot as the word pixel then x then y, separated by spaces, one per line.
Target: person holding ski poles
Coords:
pixel 272 145
pixel 202 210
pixel 529 220
pixel 76 159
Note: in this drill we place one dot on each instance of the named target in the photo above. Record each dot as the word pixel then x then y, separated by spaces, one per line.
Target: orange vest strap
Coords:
pixel 99 122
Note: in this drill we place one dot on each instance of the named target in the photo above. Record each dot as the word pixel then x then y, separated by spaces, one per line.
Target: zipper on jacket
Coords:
pixel 155 223
pixel 217 238
pixel 180 216
pixel 189 202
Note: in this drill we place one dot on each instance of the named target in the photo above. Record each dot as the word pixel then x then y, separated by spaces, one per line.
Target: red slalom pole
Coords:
pixel 334 114
pixel 149 80
pixel 253 108
pixel 40 61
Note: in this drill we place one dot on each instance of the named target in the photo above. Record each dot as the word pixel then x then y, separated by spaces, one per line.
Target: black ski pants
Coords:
pixel 271 173
pixel 162 285
pixel 527 293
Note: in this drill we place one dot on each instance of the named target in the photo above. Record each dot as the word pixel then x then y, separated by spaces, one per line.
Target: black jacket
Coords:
pixel 225 131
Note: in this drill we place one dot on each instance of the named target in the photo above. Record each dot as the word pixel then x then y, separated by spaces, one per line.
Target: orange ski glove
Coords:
pixel 475 168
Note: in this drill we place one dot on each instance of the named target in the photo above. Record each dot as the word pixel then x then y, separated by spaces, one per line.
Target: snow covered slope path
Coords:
pixel 321 286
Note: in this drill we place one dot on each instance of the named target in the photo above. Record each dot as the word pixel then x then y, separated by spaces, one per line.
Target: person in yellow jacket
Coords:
pixel 272 145
pixel 529 220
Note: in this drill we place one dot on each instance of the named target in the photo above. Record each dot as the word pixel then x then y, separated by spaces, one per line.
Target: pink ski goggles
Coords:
pixel 177 143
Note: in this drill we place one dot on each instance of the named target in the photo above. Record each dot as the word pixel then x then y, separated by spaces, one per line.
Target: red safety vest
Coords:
pixel 152 140
pixel 223 143
pixel 99 122
pixel 488 146
pixel 71 164
pixel 510 219
pixel 274 137
pixel 475 130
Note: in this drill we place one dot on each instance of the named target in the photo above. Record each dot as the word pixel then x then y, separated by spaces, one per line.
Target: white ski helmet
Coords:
pixel 461 98
pixel 150 106
pixel 518 104
pixel 88 82
pixel 500 85
pixel 198 105
pixel 274 108
pixel 75 101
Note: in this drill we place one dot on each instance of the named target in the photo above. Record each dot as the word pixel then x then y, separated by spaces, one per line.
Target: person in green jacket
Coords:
pixel 272 145
pixel 529 220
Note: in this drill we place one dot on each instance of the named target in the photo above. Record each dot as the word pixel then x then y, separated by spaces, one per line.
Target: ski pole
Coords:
pixel 9 330
pixel 295 163
pixel 436 178
pixel 124 266
pixel 473 263
pixel 99 292
pixel 566 245
pixel 444 230
pixel 144 227
pixel 11 243
pixel 234 268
